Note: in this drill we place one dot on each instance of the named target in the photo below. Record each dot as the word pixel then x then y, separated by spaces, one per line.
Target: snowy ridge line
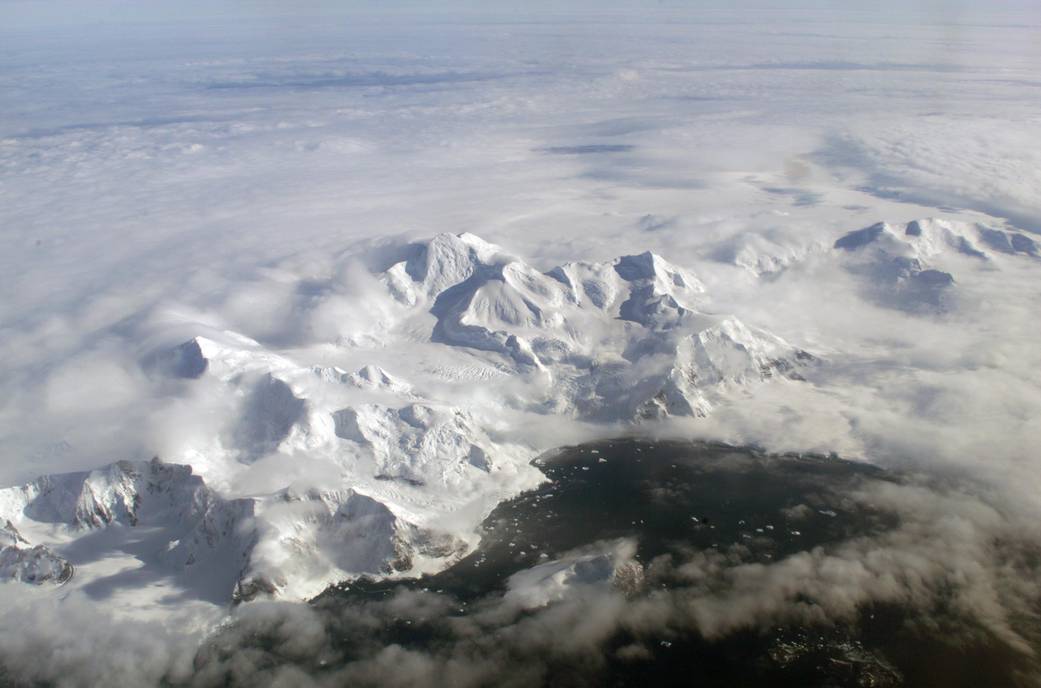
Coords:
pixel 411 457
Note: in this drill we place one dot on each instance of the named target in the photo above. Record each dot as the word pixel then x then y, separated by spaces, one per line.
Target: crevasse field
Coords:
pixel 289 296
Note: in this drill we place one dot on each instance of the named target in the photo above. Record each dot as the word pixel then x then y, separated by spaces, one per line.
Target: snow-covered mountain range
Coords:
pixel 384 449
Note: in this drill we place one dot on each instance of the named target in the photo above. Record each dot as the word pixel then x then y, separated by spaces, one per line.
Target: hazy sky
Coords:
pixel 59 12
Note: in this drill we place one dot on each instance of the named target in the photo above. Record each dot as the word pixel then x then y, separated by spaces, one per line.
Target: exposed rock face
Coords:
pixel 19 561
pixel 35 565
pixel 347 532
pixel 203 531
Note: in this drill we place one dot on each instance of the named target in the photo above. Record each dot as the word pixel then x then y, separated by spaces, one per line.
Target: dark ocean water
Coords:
pixel 678 503
pixel 668 496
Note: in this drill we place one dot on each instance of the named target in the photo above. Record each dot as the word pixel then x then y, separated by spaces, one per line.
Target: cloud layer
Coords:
pixel 252 175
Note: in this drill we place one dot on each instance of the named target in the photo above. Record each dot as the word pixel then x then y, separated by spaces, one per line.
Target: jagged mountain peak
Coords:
pixel 111 494
pixel 194 531
pixel 537 321
pixel 491 301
